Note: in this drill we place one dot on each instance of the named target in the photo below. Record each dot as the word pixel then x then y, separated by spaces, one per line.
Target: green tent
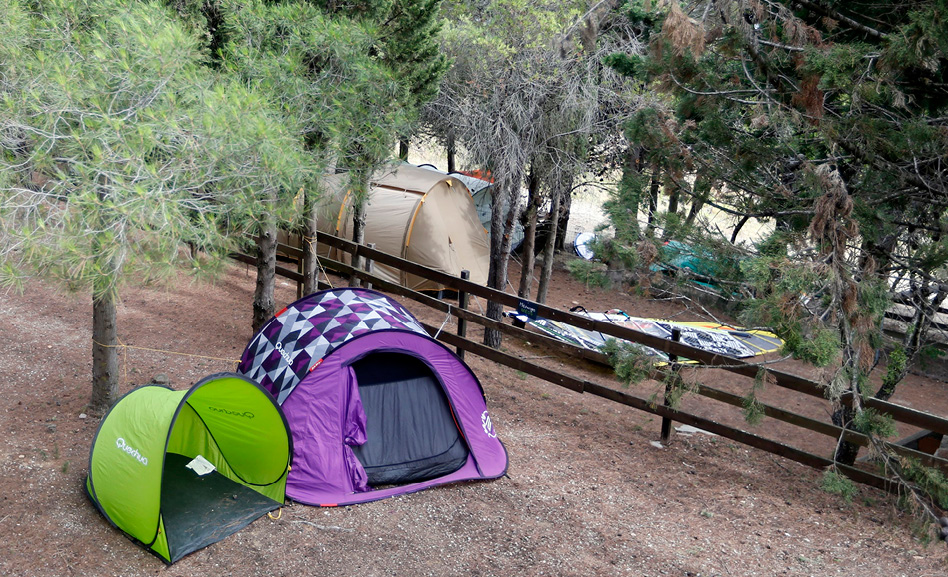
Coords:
pixel 144 463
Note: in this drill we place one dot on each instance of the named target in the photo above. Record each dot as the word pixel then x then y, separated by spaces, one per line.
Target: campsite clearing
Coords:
pixel 588 492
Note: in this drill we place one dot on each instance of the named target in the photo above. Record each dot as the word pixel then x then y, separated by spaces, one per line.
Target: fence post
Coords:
pixel 674 367
pixel 462 304
pixel 369 265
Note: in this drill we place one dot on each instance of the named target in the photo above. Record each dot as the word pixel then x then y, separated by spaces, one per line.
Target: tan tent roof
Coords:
pixel 420 215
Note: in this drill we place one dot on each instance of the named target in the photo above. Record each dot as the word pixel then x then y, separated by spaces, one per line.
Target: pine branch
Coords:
pixel 814 7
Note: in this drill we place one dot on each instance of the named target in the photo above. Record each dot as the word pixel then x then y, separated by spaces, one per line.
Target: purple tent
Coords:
pixel 375 405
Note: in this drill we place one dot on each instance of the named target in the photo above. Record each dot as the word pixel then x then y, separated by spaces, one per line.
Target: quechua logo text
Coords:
pixel 244 414
pixel 131 451
pixel 286 356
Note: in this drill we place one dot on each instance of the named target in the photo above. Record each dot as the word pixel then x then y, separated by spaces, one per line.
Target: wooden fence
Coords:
pixel 912 417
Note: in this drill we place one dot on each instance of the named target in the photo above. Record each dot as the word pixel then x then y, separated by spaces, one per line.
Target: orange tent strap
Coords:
pixel 411 224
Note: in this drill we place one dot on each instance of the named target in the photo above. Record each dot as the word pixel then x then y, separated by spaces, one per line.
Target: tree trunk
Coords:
pixel 845 452
pixel 696 206
pixel 653 199
pixel 105 372
pixel 529 238
pixel 562 220
pixel 527 248
pixel 263 301
pixel 500 229
pixel 361 189
pixel 844 414
pixel 308 246
pixel 737 228
pixel 674 195
pixel 358 237
pixel 403 149
pixel 549 247
pixel 701 191
pixel 452 154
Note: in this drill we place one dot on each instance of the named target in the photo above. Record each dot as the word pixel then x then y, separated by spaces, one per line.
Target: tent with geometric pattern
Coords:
pixel 376 407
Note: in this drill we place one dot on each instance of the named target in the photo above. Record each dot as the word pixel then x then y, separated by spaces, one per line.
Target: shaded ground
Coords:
pixel 588 493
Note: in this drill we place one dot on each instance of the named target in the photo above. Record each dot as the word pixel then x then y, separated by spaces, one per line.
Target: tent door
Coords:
pixel 200 510
pixel 411 432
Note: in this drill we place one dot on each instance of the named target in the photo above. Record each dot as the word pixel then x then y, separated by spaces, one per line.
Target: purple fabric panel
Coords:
pixel 326 417
pixel 355 431
pixel 358 478
pixel 460 384
pixel 470 409
pixel 317 496
pixel 316 412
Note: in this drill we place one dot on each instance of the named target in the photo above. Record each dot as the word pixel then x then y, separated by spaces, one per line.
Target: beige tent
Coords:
pixel 420 215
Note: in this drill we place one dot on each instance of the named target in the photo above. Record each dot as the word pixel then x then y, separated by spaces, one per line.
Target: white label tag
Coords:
pixel 201 466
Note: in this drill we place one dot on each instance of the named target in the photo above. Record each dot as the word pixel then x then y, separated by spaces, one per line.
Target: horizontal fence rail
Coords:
pixel 683 351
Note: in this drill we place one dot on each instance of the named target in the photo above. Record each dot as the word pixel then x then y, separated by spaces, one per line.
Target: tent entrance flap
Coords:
pixel 411 431
pixel 200 510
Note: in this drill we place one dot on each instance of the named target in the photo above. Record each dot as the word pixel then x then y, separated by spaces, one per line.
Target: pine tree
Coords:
pixel 118 148
pixel 412 49
pixel 828 119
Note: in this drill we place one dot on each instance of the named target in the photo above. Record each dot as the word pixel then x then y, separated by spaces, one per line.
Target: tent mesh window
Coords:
pixel 411 431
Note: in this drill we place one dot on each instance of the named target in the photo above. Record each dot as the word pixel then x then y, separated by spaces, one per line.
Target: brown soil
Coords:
pixel 589 491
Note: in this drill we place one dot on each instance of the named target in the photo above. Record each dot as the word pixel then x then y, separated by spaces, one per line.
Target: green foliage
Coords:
pixel 836 484
pixel 752 408
pixel 101 108
pixel 411 49
pixel 629 361
pixel 819 346
pixel 774 246
pixel 785 289
pixel 870 422
pixel 896 367
pixel 645 16
pixel 590 273
pixel 631 65
pixel 874 298
pixel 365 10
pixel 614 253
pixel 509 25
pixel 862 99
pixel 623 204
pixel 323 73
pixel 930 480
pixel 926 354
pixel 803 338
pixel 699 252
pixel 675 389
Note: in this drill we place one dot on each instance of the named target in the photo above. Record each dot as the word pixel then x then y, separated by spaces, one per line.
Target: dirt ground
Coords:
pixel 589 489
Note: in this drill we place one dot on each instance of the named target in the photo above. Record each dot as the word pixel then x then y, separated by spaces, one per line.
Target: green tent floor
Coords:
pixel 200 510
